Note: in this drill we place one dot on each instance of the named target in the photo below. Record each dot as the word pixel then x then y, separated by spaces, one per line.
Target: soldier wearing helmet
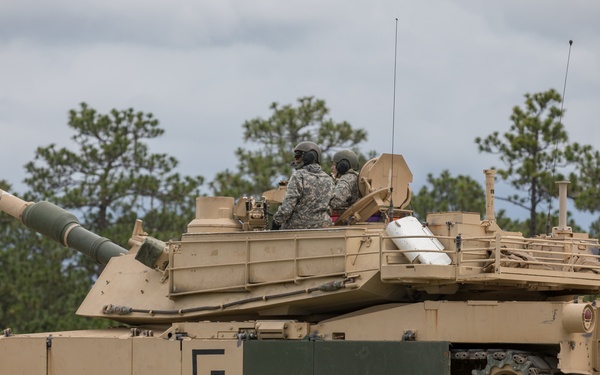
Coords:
pixel 345 170
pixel 308 193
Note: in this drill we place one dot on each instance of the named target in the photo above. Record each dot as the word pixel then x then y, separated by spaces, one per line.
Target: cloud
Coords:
pixel 204 67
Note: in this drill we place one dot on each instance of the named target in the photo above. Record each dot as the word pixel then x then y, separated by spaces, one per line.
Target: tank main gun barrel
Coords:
pixel 60 226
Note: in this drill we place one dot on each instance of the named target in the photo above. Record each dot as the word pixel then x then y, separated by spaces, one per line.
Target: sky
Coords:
pixel 203 67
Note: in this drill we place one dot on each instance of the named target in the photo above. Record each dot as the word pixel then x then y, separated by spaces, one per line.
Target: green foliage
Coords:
pixel 464 194
pixel 586 189
pixel 508 224
pixel 448 193
pixel 594 230
pixel 261 166
pixel 108 179
pixel 111 177
pixel 532 150
pixel 40 283
pixel 543 226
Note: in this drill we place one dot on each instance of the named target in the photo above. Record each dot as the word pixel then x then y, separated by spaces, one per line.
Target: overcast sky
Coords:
pixel 204 67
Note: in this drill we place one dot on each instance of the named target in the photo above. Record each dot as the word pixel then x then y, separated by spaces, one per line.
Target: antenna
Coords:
pixel 562 102
pixel 391 209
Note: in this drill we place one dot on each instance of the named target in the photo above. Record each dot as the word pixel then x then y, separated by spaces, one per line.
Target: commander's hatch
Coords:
pixel 381 179
pixel 384 172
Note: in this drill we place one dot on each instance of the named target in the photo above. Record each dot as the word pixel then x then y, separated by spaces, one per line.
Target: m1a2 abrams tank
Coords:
pixel 377 293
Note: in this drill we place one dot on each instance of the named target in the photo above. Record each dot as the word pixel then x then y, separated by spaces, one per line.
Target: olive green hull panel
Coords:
pixel 345 357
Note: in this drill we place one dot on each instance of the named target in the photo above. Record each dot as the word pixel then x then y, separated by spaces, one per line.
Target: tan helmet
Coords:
pixel 311 152
pixel 345 160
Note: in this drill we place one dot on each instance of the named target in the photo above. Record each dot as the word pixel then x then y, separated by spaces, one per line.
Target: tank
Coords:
pixel 378 292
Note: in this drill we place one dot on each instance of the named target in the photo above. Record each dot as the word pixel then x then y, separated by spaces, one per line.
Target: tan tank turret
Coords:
pixel 378 292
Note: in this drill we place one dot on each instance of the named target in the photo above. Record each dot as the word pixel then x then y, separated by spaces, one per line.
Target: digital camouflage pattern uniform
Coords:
pixel 306 200
pixel 345 193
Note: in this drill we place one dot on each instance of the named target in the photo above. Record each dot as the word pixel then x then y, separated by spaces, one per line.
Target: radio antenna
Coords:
pixel 562 102
pixel 391 209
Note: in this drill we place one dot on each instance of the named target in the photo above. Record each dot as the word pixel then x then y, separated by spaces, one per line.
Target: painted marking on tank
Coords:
pixel 199 352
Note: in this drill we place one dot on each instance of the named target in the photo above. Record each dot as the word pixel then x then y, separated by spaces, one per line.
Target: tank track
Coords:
pixel 502 362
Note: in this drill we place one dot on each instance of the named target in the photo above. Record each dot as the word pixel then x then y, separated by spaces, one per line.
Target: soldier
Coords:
pixel 308 194
pixel 345 170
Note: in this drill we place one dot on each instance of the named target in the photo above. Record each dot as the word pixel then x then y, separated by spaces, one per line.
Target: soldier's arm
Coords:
pixel 341 193
pixel 292 195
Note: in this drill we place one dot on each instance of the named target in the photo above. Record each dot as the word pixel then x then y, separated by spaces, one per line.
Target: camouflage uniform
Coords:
pixel 345 193
pixel 306 200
